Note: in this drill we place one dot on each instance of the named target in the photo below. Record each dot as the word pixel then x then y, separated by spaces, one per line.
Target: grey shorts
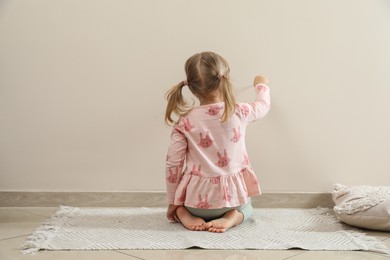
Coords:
pixel 210 214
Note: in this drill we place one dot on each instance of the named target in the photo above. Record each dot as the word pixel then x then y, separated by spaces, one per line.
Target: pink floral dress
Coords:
pixel 207 163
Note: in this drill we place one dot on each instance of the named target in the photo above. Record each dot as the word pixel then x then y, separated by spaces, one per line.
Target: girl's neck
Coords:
pixel 211 101
pixel 215 97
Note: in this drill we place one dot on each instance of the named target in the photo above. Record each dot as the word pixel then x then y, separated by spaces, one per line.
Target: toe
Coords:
pixel 208 225
pixel 216 230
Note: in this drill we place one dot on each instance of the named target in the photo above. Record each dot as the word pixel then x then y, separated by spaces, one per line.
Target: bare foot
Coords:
pixel 230 219
pixel 189 221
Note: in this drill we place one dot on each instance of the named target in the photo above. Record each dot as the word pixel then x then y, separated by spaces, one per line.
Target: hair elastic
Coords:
pixel 185 82
pixel 220 76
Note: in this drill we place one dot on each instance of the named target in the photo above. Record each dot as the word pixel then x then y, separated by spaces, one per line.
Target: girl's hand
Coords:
pixel 260 80
pixel 171 213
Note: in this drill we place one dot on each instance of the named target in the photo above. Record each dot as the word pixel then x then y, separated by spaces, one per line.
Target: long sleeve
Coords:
pixel 260 107
pixel 174 163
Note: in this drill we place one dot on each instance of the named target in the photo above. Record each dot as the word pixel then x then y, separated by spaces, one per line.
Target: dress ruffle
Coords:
pixel 217 192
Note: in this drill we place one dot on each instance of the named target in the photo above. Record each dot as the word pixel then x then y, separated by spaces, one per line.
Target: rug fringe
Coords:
pixel 368 243
pixel 42 235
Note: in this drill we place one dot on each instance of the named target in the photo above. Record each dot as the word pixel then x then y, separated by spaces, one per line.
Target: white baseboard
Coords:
pixel 149 199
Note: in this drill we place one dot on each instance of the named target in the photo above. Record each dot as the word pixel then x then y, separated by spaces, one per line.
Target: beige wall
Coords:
pixel 82 85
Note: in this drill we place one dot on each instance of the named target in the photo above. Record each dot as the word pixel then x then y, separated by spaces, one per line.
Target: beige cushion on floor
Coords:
pixel 363 206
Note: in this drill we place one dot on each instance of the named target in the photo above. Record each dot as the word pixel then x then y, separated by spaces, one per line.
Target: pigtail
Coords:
pixel 176 103
pixel 228 98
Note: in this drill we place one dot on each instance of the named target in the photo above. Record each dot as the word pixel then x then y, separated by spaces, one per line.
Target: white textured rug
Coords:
pixel 147 228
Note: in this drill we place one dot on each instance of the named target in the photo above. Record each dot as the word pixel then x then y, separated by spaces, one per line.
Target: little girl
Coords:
pixel 209 177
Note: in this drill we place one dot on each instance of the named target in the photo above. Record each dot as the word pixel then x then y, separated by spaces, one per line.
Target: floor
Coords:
pixel 16 223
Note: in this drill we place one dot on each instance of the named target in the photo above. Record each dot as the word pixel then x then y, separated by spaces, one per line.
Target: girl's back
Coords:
pixel 207 168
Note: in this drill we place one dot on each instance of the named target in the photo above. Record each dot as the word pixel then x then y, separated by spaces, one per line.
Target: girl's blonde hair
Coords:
pixel 207 72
